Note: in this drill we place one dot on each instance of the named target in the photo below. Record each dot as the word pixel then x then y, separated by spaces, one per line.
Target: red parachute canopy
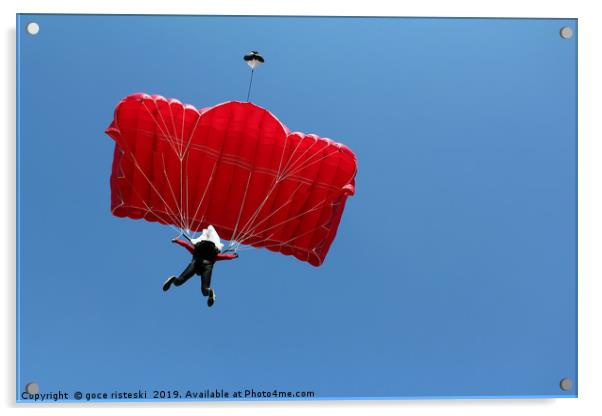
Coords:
pixel 234 166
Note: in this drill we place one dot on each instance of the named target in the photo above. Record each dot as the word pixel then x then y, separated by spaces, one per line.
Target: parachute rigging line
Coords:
pixel 250 83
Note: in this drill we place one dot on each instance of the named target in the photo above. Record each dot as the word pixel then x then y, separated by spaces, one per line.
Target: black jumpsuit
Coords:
pixel 203 258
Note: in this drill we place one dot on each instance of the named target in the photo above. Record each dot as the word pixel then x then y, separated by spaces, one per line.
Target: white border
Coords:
pixel 590 198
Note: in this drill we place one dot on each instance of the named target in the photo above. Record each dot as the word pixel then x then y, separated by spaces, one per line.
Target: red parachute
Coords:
pixel 234 166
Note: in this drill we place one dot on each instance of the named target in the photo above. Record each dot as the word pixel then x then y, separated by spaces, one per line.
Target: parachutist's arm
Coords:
pixel 184 244
pixel 226 256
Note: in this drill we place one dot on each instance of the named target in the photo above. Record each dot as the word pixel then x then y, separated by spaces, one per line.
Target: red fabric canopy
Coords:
pixel 234 166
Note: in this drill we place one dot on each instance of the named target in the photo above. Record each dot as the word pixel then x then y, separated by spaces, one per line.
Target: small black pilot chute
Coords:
pixel 253 59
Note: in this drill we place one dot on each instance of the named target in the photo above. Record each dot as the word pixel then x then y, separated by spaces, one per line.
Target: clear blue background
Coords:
pixel 454 269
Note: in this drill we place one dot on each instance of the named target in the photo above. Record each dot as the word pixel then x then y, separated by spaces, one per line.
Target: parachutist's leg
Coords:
pixel 181 279
pixel 206 284
pixel 185 275
pixel 206 279
pixel 168 282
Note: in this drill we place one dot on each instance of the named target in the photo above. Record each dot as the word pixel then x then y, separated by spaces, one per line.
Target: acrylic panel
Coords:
pixel 394 198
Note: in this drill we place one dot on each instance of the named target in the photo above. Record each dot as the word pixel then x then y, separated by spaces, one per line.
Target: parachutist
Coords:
pixel 205 250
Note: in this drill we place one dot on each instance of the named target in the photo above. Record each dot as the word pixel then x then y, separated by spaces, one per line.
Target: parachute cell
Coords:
pixel 234 166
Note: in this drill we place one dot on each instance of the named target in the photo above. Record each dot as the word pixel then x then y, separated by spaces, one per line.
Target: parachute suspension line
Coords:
pixel 283 173
pixel 177 149
pixel 242 206
pixel 252 232
pixel 180 148
pixel 312 209
pixel 164 133
pixel 189 221
pixel 182 131
pixel 250 83
pixel 248 230
pixel 175 131
pixel 251 171
pixel 291 168
pixel 196 211
pixel 172 138
pixel 294 163
pixel 187 214
pixel 277 179
pixel 147 207
pixel 182 215
pixel 173 195
pixel 190 137
pixel 288 241
pixel 256 213
pixel 306 164
pixel 172 215
pixel 181 158
pixel 250 227
pixel 210 182
pixel 184 173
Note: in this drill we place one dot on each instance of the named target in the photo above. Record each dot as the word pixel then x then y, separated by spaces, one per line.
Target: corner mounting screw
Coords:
pixel 32 388
pixel 566 32
pixel 566 384
pixel 32 28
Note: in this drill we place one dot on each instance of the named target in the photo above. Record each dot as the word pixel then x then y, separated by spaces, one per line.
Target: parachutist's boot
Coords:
pixel 168 283
pixel 211 299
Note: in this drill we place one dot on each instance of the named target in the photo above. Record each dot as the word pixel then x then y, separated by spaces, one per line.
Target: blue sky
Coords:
pixel 454 269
